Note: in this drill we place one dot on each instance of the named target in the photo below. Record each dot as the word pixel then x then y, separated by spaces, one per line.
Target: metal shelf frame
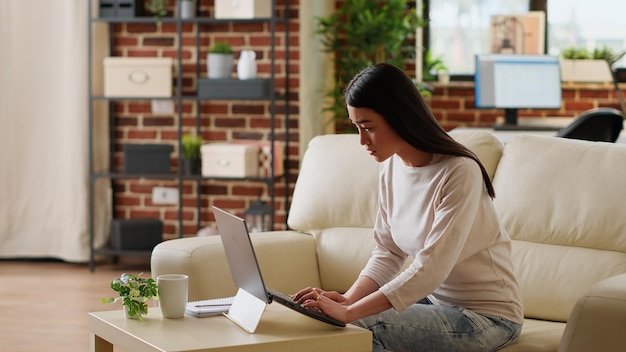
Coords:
pixel 179 98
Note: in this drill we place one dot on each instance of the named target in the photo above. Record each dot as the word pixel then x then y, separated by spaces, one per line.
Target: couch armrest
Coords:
pixel 287 259
pixel 598 319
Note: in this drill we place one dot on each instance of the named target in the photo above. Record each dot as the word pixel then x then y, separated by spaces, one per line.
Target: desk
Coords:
pixel 536 124
pixel 280 329
pixel 505 136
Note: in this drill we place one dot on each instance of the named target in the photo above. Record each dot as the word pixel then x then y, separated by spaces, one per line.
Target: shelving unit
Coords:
pixel 180 98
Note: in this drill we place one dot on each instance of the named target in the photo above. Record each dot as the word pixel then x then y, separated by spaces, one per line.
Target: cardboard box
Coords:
pixel 136 234
pixel 229 88
pixel 227 9
pixel 138 77
pixel 230 160
pixel 265 156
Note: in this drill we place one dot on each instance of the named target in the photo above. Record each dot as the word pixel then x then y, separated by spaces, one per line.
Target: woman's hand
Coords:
pixel 315 294
pixel 331 303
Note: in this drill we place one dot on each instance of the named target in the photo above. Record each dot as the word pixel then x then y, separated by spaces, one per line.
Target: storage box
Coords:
pixel 119 8
pixel 138 77
pixel 136 234
pixel 243 9
pixel 147 158
pixel 230 160
pixel 228 88
pixel 265 156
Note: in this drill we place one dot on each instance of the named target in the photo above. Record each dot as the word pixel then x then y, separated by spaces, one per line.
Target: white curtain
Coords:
pixel 44 174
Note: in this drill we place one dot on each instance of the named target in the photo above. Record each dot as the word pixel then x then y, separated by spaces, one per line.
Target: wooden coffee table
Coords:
pixel 280 329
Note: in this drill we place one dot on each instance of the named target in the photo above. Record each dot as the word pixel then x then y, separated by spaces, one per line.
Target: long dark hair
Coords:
pixel 390 92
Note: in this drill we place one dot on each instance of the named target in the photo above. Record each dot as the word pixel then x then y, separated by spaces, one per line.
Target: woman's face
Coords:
pixel 375 134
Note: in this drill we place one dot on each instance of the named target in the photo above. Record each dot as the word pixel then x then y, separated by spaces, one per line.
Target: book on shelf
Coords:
pixel 209 307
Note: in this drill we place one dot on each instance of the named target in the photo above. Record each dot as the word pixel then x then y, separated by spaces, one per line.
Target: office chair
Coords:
pixel 598 125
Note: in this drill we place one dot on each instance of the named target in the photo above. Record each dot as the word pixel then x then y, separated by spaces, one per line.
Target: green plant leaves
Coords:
pixel 191 146
pixel 134 291
pixel 364 32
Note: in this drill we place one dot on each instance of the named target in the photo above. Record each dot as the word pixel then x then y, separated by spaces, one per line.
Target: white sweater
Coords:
pixel 442 215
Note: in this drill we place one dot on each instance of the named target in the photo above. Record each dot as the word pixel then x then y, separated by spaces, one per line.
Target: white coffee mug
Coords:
pixel 173 290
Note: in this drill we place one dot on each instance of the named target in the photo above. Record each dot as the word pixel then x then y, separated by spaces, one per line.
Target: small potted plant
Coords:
pixel 157 8
pixel 134 291
pixel 581 65
pixel 220 60
pixel 191 153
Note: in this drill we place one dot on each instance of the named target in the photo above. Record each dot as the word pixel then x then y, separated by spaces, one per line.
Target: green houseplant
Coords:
pixel 191 153
pixel 433 66
pixel 363 32
pixel 582 65
pixel 220 60
pixel 157 8
pixel 134 291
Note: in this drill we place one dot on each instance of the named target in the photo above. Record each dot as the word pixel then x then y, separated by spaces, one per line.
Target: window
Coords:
pixel 459 29
pixel 587 24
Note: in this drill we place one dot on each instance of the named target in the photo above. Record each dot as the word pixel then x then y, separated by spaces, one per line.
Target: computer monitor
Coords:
pixel 517 81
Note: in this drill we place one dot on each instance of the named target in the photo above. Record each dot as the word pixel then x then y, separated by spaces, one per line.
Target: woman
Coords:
pixel 458 292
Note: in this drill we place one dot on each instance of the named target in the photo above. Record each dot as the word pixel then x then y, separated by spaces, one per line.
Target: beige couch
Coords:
pixel 562 201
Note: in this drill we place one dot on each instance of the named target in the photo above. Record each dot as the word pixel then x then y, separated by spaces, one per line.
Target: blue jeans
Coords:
pixel 428 327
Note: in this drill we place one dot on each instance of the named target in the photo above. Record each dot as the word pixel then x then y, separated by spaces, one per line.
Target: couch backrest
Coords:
pixel 336 195
pixel 563 203
pixel 337 185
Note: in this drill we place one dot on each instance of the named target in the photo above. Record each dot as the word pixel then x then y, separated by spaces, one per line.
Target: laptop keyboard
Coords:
pixel 310 311
pixel 275 293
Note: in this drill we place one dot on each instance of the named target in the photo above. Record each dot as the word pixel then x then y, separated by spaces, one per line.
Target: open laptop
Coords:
pixel 245 269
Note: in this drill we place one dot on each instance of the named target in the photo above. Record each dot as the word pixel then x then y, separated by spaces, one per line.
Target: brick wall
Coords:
pixel 452 104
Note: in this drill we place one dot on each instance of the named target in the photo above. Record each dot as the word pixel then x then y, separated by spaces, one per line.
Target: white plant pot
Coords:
pixel 585 71
pixel 187 8
pixel 126 309
pixel 219 65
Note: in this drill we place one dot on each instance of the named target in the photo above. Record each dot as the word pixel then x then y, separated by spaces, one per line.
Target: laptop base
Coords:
pixel 246 311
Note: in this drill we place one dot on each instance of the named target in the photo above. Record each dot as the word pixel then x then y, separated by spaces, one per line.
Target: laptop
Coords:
pixel 245 269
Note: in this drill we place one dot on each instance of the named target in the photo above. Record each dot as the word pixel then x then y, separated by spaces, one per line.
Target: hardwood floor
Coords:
pixel 44 304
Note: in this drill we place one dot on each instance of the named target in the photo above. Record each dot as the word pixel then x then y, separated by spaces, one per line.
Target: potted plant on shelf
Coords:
pixel 580 65
pixel 134 291
pixel 220 60
pixel 157 8
pixel 191 153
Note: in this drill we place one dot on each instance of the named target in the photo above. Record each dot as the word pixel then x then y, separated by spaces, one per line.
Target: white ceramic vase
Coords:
pixel 219 65
pixel 246 66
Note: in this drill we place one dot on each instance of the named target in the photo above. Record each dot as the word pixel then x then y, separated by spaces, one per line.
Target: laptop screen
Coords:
pixel 240 254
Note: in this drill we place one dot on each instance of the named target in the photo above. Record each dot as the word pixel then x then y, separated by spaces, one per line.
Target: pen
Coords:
pixel 213 305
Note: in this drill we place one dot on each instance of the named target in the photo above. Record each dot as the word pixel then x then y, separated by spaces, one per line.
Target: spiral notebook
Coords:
pixel 209 307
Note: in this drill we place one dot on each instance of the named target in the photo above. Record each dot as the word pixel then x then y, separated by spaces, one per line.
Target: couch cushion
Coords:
pixel 487 147
pixel 538 336
pixel 565 216
pixel 337 185
pixel 342 253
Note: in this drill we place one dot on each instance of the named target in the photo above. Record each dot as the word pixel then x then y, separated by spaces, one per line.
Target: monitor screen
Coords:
pixel 517 81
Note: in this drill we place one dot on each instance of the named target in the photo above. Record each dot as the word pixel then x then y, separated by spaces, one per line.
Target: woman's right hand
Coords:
pixel 314 293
